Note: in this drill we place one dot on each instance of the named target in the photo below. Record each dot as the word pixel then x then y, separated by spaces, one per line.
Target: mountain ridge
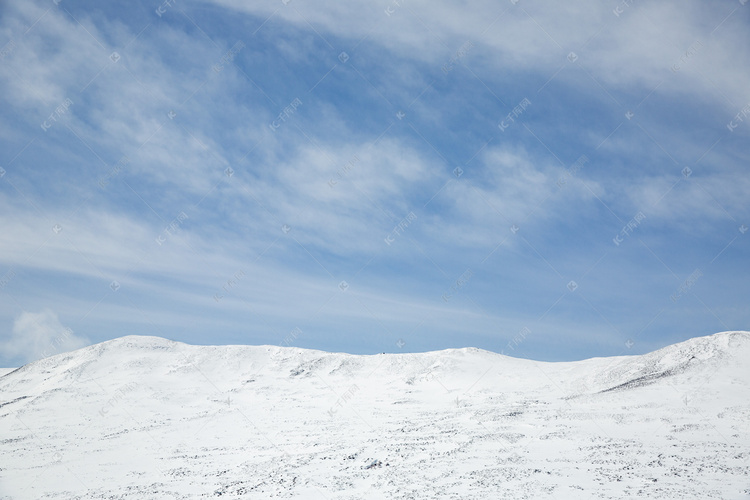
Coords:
pixel 155 342
pixel 139 354
pixel 171 420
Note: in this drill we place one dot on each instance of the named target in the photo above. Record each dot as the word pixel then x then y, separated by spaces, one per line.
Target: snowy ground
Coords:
pixel 144 417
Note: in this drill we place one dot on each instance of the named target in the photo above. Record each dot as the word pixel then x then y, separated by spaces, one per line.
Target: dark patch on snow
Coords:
pixel 9 402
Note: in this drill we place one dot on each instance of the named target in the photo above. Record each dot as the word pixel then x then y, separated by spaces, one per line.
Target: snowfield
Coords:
pixel 145 417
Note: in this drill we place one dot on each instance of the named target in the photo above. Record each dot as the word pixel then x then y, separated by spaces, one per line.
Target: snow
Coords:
pixel 145 417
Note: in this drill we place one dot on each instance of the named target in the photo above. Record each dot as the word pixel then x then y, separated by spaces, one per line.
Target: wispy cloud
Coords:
pixel 273 165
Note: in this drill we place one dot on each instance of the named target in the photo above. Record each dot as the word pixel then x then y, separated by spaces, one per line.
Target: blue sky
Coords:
pixel 549 182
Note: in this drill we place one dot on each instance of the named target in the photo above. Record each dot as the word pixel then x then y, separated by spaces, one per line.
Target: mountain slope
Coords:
pixel 141 417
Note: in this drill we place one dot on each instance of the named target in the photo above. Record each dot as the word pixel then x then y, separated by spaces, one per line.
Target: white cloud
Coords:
pixel 637 47
pixel 509 186
pixel 320 174
pixel 39 79
pixel 698 201
pixel 38 335
pixel 121 108
pixel 343 198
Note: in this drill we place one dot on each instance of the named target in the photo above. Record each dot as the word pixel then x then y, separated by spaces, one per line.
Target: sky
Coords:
pixel 550 182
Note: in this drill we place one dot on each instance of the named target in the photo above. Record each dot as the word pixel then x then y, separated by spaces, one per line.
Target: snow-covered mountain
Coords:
pixel 145 417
